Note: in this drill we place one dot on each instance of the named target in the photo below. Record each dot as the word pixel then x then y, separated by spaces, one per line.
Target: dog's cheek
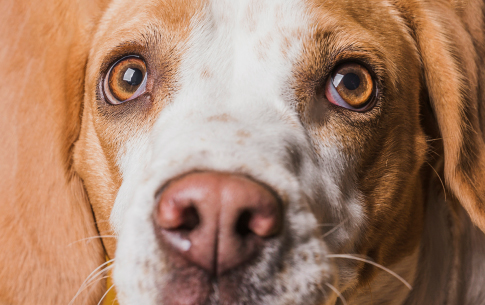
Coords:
pixel 138 274
pixel 101 179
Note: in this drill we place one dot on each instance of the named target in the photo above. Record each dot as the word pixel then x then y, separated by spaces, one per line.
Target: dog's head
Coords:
pixel 235 147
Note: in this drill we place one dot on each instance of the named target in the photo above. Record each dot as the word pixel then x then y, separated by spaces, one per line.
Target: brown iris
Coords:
pixel 350 86
pixel 126 80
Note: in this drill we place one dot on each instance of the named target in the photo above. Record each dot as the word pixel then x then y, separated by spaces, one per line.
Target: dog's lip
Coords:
pixel 191 286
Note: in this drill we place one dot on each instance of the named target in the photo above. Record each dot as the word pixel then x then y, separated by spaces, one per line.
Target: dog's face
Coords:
pixel 297 121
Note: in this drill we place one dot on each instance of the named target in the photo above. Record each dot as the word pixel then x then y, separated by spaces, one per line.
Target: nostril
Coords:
pixel 242 224
pixel 259 223
pixel 174 216
pixel 190 219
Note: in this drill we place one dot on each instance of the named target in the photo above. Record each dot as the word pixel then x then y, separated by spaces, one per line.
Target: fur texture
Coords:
pixel 236 86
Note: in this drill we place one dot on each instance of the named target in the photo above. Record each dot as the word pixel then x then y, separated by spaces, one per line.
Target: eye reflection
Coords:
pixel 133 77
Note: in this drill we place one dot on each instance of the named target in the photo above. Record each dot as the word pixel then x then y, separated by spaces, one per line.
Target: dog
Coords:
pixel 243 152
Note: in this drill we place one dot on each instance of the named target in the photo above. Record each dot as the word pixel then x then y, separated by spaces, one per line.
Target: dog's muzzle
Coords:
pixel 221 213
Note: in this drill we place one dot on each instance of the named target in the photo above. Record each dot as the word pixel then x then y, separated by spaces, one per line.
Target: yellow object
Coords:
pixel 110 298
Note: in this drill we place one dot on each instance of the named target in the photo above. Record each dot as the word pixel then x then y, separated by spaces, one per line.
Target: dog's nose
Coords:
pixel 217 221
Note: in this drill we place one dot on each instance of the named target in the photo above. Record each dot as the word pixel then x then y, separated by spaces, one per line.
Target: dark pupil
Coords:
pixel 351 81
pixel 133 76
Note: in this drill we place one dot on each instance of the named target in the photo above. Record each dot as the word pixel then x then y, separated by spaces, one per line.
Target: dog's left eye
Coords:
pixel 125 80
pixel 350 86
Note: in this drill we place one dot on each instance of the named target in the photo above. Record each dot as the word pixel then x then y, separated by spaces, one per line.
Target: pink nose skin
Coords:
pixel 216 220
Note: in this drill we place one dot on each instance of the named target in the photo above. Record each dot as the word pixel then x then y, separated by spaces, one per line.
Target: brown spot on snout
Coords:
pixel 206 73
pixel 221 118
pixel 243 134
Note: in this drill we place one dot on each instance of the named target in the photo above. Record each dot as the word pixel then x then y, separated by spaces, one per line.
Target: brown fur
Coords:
pixel 449 53
pixel 394 201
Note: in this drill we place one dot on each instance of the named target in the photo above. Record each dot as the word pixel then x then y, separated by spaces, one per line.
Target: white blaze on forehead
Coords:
pixel 242 50
pixel 238 61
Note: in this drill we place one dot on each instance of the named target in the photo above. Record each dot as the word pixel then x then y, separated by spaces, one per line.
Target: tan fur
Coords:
pixel 53 169
pixel 44 214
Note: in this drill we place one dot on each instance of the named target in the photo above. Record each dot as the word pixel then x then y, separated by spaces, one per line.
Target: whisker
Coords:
pixel 91 277
pixel 374 264
pixel 431 151
pixel 335 228
pixel 90 282
pixel 101 266
pixel 442 184
pixel 115 301
pixel 327 224
pixel 344 302
pixel 94 281
pixel 105 294
pixel 93 237
pixel 431 140
pixel 108 268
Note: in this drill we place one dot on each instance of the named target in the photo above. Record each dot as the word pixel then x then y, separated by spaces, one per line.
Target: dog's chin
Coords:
pixel 282 280
pixel 195 286
pixel 187 283
pixel 190 285
pixel 269 278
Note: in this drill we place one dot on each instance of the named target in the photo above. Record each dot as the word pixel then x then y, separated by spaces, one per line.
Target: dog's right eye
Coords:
pixel 125 80
pixel 351 86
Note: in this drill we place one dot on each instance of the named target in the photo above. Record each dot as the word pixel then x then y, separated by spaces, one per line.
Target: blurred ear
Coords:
pixel 451 65
pixel 44 213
